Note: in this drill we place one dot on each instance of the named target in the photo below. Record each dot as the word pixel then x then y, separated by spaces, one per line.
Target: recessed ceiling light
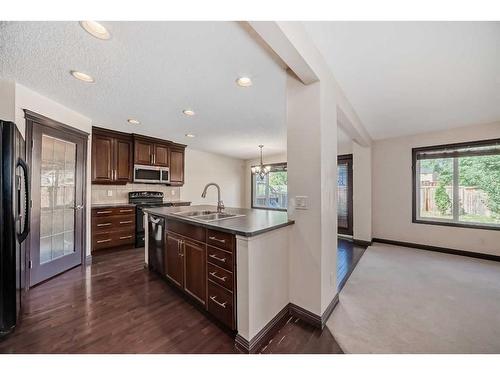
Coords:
pixel 189 135
pixel 96 29
pixel 133 121
pixel 244 81
pixel 82 76
pixel 188 112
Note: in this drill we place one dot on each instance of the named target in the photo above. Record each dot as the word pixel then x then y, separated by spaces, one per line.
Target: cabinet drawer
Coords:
pixel 220 304
pixel 113 211
pixel 102 241
pixel 220 239
pixel 220 276
pixel 191 231
pixel 220 258
pixel 113 223
pixel 124 238
pixel 112 239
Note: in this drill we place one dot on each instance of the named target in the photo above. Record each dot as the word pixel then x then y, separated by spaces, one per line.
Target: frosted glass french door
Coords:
pixel 57 212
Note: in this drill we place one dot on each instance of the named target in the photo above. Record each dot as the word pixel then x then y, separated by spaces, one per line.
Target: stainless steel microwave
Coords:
pixel 151 174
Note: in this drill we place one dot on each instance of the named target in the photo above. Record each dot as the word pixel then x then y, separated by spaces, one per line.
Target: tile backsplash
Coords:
pixel 119 193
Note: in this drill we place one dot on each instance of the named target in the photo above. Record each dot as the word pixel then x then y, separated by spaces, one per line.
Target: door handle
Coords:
pixel 78 207
pixel 27 218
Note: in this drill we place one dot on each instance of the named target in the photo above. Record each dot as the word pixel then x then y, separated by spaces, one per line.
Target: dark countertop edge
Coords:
pixel 222 229
pixel 104 205
pixel 112 205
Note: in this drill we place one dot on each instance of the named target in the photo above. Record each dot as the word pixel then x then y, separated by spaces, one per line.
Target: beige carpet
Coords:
pixel 402 300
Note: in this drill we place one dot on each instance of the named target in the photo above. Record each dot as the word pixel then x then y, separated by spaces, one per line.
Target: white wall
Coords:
pixel 29 99
pixel 271 159
pixel 7 100
pixel 362 192
pixel 202 167
pixel 392 193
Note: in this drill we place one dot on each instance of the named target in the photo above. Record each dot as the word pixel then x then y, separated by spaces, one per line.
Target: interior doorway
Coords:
pixel 57 159
pixel 344 194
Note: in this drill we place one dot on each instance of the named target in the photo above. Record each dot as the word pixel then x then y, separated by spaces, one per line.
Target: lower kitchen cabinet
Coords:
pixel 174 259
pixel 195 280
pixel 204 272
pixel 113 227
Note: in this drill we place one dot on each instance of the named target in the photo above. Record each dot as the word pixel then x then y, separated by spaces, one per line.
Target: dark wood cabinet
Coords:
pixel 151 151
pixel 115 153
pixel 194 266
pixel 123 160
pixel 111 157
pixel 202 262
pixel 174 259
pixel 113 227
pixel 144 151
pixel 160 157
pixel 177 165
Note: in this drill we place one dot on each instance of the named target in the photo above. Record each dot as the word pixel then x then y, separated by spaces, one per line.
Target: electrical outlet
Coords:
pixel 172 192
pixel 110 193
pixel 301 202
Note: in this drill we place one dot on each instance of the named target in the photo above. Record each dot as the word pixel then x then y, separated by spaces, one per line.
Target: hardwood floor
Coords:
pixel 117 306
pixel 348 255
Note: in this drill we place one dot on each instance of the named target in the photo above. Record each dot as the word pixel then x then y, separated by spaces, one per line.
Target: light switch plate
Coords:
pixel 110 193
pixel 301 202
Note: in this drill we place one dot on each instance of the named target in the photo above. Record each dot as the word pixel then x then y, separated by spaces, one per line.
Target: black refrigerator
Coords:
pixel 14 224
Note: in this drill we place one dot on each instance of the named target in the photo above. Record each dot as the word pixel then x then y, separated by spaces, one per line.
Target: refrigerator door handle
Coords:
pixel 22 236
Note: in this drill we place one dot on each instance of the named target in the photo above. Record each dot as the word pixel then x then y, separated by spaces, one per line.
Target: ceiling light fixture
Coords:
pixel 244 82
pixel 189 135
pixel 82 76
pixel 188 112
pixel 95 29
pixel 261 170
pixel 133 121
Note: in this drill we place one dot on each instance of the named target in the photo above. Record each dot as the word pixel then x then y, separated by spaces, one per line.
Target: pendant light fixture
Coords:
pixel 261 170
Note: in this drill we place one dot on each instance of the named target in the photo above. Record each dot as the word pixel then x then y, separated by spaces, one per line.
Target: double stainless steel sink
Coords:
pixel 207 215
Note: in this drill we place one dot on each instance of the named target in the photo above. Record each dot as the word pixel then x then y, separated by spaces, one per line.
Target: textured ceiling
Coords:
pixel 152 71
pixel 413 77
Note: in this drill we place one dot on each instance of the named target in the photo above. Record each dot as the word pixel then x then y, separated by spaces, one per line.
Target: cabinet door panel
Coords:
pixel 143 152
pixel 123 160
pixel 195 270
pixel 174 260
pixel 102 158
pixel 177 166
pixel 161 155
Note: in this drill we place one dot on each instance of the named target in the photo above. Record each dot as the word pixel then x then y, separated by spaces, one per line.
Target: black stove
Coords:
pixel 143 199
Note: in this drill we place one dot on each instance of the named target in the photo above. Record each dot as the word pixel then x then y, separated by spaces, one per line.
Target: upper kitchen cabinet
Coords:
pixel 177 164
pixel 151 151
pixel 111 157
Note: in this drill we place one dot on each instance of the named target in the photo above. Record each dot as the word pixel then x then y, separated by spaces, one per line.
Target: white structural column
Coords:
pixel 316 105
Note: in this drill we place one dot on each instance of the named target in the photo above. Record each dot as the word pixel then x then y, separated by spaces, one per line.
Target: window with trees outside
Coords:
pixel 458 184
pixel 270 192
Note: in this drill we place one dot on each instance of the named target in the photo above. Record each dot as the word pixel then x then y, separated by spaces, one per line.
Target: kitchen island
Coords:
pixel 235 268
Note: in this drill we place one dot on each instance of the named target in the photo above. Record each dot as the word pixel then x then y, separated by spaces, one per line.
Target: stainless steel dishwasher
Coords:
pixel 156 243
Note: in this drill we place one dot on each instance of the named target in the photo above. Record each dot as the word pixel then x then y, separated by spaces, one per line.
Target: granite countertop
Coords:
pixel 254 222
